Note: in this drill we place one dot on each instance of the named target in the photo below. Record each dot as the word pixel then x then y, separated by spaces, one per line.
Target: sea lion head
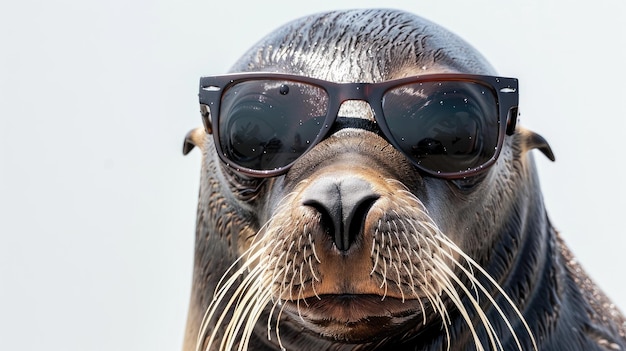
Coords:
pixel 354 244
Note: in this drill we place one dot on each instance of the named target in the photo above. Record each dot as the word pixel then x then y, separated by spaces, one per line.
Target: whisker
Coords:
pixel 277 302
pixel 247 314
pixel 278 318
pixel 310 261
pixel 376 258
pixel 221 291
pixel 232 326
pixel 491 333
pixel 246 287
pixel 313 249
pixel 486 293
pixel 456 300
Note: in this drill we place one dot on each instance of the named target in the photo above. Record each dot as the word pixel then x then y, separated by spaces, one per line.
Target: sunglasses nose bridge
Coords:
pixel 349 91
pixel 352 100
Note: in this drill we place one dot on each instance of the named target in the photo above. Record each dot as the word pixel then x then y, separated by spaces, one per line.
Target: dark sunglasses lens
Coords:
pixel 445 127
pixel 267 124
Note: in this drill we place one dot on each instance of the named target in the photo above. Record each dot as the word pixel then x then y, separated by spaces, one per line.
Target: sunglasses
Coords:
pixel 448 125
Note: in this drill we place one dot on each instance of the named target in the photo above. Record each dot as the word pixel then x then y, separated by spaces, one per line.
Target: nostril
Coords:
pixel 343 205
pixel 326 220
pixel 356 220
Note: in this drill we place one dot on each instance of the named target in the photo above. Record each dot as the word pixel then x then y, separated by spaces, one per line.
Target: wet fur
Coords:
pixel 487 241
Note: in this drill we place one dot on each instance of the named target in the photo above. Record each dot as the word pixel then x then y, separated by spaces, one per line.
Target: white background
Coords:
pixel 97 203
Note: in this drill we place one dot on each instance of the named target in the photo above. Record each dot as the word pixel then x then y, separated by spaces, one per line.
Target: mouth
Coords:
pixel 356 318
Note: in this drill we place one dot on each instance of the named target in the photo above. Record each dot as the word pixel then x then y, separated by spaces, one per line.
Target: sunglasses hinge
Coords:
pixel 511 120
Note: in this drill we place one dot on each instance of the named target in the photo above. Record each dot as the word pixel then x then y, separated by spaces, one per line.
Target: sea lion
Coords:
pixel 355 245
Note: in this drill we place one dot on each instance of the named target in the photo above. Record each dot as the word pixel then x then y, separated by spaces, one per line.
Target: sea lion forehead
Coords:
pixel 363 45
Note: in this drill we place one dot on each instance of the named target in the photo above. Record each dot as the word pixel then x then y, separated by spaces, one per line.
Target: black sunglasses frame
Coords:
pixel 504 89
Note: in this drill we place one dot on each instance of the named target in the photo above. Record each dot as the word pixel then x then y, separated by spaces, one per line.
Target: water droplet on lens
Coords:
pixel 284 89
pixel 441 102
pixel 465 100
pixel 308 141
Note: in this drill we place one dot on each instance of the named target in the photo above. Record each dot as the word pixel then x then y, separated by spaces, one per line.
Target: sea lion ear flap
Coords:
pixel 536 141
pixel 194 138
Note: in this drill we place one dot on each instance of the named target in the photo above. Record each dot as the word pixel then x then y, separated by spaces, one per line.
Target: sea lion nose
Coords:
pixel 343 204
